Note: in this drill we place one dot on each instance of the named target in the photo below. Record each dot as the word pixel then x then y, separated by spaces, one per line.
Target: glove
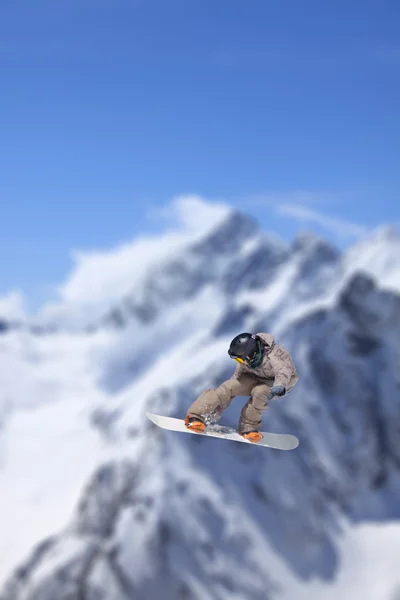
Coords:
pixel 278 390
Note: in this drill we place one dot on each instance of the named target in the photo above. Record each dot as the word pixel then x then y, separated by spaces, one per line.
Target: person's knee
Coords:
pixel 228 389
pixel 260 399
pixel 222 392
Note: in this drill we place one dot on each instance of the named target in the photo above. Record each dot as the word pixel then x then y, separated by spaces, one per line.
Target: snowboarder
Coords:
pixel 265 371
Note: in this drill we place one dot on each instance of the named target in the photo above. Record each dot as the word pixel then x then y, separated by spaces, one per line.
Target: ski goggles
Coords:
pixel 239 359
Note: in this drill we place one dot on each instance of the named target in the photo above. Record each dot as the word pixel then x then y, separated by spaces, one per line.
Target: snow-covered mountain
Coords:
pixel 97 503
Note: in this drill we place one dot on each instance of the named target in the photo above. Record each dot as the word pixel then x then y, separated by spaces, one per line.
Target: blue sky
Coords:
pixel 109 108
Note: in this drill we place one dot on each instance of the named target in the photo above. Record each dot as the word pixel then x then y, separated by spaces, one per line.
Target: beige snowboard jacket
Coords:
pixel 277 365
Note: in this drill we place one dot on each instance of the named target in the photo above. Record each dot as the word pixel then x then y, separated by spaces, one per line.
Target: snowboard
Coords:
pixel 278 441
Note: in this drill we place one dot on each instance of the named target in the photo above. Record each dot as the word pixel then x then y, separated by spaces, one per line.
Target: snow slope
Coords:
pixel 369 559
pixel 121 509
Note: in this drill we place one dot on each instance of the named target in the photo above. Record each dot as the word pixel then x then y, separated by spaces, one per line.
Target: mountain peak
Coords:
pixel 230 233
pixel 313 250
pixel 388 233
pixel 309 241
pixel 377 255
pixel 382 237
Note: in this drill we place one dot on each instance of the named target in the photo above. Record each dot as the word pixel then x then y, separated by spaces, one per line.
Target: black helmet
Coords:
pixel 243 347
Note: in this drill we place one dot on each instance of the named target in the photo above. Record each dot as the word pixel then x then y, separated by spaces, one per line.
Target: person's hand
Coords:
pixel 278 390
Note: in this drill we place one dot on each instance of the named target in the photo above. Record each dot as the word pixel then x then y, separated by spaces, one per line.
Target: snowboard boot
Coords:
pixel 194 424
pixel 252 436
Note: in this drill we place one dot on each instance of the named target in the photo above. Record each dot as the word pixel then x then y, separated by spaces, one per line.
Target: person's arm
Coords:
pixel 283 367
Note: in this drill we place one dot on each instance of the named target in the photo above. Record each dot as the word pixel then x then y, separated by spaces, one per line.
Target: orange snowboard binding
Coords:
pixel 252 436
pixel 194 424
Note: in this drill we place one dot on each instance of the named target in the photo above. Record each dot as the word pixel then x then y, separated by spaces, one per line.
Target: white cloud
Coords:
pixel 342 228
pixel 302 197
pixel 300 206
pixel 100 277
pixel 193 214
pixel 12 306
pixel 106 274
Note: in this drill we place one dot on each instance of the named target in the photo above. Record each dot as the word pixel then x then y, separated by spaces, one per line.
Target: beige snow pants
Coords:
pixel 211 403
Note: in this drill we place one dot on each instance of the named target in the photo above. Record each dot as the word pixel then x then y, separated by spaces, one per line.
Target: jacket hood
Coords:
pixel 268 338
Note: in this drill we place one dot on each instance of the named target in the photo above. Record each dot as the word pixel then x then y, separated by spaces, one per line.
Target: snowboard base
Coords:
pixel 278 441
